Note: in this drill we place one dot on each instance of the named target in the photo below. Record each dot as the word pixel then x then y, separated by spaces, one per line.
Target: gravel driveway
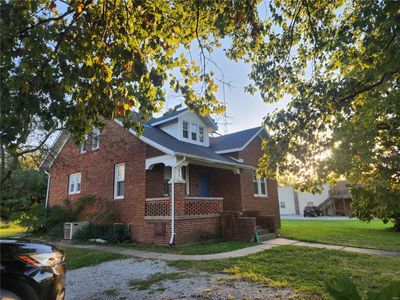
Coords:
pixel 126 279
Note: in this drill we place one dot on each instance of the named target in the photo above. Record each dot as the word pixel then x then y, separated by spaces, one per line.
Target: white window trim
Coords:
pixel 81 151
pixel 189 130
pixel 187 184
pixel 96 132
pixel 259 195
pixel 73 177
pixel 116 182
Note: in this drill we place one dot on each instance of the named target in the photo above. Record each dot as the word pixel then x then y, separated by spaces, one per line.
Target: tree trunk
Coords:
pixel 397 224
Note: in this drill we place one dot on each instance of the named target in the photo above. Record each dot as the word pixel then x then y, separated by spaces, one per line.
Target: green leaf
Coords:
pixel 342 288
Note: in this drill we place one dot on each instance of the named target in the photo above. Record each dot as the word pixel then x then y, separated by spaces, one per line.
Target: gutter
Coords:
pixel 48 188
pixel 172 237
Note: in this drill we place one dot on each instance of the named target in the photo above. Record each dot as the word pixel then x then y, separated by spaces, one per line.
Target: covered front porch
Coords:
pixel 206 189
pixel 189 194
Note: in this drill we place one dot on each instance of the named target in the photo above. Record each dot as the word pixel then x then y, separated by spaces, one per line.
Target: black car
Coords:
pixel 312 211
pixel 31 270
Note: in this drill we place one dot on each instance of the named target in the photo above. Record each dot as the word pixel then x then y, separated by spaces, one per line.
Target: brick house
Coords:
pixel 174 183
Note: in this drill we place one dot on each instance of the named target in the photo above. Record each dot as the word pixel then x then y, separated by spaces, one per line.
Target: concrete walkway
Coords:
pixel 237 253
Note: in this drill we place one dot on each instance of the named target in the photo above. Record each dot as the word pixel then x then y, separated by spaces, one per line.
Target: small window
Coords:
pixel 283 205
pixel 167 177
pixel 119 180
pixel 263 186
pixel 84 145
pixel 201 134
pixel 74 183
pixel 185 176
pixel 255 183
pixel 185 131
pixel 194 132
pixel 95 138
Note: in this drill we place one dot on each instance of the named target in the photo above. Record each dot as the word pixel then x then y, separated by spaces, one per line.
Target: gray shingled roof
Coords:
pixel 160 137
pixel 167 116
pixel 233 140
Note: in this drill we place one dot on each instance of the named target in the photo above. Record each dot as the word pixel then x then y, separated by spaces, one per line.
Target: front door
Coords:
pixel 204 185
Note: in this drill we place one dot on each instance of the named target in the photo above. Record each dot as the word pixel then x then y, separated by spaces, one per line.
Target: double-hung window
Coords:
pixel 201 134
pixel 95 138
pixel 185 131
pixel 259 185
pixel 74 183
pixel 167 177
pixel 84 145
pixel 119 180
pixel 194 129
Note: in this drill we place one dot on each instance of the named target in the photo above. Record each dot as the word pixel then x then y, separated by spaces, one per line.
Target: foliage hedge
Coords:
pixel 111 233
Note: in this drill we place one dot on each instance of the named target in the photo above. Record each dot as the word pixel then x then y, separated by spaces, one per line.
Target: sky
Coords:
pixel 243 110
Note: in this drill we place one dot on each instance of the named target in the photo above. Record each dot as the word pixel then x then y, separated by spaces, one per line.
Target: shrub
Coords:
pixel 111 233
pixel 50 222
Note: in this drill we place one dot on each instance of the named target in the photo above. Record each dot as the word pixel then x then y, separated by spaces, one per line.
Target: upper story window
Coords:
pixel 185 131
pixel 95 138
pixel 201 134
pixel 193 132
pixel 259 185
pixel 119 181
pixel 74 183
pixel 84 145
pixel 94 144
pixel 283 205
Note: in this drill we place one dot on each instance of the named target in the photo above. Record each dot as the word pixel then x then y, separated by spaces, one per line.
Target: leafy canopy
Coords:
pixel 340 62
pixel 71 64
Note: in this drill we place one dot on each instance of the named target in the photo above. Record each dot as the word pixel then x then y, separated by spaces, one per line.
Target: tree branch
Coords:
pixel 367 88
pixel 43 21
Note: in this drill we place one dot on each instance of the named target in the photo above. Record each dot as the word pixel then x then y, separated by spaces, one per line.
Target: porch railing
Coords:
pixel 203 206
pixel 155 207
pixel 194 206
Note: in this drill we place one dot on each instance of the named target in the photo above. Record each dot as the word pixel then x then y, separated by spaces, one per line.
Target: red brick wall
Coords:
pixel 155 182
pixel 266 205
pixel 117 145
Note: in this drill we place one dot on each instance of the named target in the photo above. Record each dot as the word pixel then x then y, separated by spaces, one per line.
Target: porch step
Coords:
pixel 262 231
pixel 266 237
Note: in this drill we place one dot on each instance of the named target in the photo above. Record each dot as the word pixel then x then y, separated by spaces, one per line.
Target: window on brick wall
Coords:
pixel 259 185
pixel 167 177
pixel 119 181
pixel 84 145
pixel 95 138
pixel 185 176
pixel 74 183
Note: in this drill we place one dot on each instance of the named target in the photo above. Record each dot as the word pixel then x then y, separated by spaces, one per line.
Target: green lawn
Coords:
pixel 77 258
pixel 305 269
pixel 200 248
pixel 10 230
pixel 374 235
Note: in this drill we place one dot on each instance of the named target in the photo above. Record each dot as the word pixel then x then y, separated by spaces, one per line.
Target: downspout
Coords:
pixel 171 239
pixel 48 188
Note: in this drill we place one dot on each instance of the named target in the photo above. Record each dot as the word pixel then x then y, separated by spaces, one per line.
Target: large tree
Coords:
pixel 340 62
pixel 69 64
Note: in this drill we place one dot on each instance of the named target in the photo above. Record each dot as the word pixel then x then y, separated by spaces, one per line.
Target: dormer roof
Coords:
pixel 173 116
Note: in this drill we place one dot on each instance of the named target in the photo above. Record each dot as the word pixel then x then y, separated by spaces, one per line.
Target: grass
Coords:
pixel 195 249
pixel 374 235
pixel 304 269
pixel 145 284
pixel 78 258
pixel 10 230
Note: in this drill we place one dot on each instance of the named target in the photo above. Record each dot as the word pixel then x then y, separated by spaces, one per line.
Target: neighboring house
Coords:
pixel 174 182
pixel 332 201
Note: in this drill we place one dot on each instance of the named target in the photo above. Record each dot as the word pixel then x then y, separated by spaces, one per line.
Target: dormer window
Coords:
pixel 194 132
pixel 185 129
pixel 201 134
